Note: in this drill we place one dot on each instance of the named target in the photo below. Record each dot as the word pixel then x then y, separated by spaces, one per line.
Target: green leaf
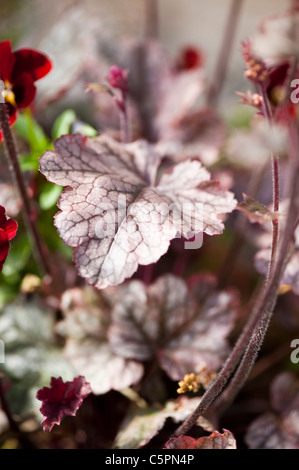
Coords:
pixel 34 135
pixel 18 256
pixel 49 195
pixel 67 123
pixel 84 129
pixel 7 294
pixel 29 162
pixel 31 354
pixel 31 131
pixel 63 123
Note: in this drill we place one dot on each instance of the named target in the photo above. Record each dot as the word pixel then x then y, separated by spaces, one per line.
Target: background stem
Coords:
pixel 151 19
pixel 224 53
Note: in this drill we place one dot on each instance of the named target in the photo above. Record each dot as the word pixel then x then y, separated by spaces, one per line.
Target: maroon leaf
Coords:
pixel 61 399
pixel 278 429
pixel 215 441
pixel 115 212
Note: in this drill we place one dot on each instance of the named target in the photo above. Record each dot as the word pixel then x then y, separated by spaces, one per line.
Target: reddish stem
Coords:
pixel 275 179
pixel 124 120
pixel 254 331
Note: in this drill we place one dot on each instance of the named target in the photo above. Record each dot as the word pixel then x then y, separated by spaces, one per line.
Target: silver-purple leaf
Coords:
pixel 142 425
pixel 165 320
pixel 278 428
pixel 85 324
pixel 111 334
pixel 115 212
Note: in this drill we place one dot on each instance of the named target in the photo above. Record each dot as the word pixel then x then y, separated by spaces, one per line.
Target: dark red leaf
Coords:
pixel 61 399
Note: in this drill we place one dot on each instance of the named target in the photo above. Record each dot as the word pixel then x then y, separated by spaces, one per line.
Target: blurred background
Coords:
pixel 57 25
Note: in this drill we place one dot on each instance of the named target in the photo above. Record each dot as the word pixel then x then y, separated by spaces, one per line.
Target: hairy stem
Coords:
pixel 254 331
pixel 274 275
pixel 224 53
pixel 259 332
pixel 124 120
pixel 29 218
pixel 275 179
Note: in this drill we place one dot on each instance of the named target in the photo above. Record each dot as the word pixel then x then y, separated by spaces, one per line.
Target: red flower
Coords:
pixel 8 228
pixel 18 71
pixel 118 78
pixel 190 58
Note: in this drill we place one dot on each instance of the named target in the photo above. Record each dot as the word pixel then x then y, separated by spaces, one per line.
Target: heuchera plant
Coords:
pixel 145 298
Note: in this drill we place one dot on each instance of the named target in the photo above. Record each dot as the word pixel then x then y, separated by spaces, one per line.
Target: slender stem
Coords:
pixel 254 330
pixel 224 53
pixel 264 317
pixel 124 120
pixel 151 18
pixel 275 178
pixel 29 217
pixel 270 300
